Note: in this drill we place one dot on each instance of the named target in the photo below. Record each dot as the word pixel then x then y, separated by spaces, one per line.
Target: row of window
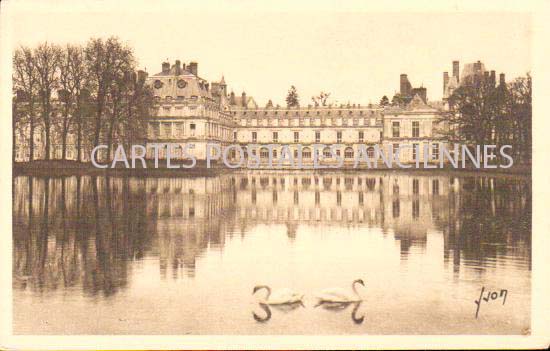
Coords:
pixel 307 152
pixel 275 137
pixel 309 122
pixel 297 113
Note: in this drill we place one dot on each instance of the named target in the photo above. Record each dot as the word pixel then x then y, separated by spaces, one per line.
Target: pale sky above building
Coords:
pixel 355 55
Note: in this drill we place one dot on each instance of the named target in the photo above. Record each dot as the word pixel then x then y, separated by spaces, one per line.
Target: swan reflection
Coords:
pixel 342 306
pixel 284 308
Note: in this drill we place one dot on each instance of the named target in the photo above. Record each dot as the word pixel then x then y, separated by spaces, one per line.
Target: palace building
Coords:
pixel 190 110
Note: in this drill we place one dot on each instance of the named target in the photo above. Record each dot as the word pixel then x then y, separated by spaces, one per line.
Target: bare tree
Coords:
pixel 321 99
pixel 72 79
pixel 46 62
pixel 25 85
pixel 107 62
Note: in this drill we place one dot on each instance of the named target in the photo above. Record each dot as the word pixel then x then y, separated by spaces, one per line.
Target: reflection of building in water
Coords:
pixel 190 214
pixel 413 206
pixel 405 204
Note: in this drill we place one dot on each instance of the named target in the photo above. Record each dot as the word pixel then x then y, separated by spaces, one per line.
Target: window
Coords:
pixel 416 129
pixel 348 153
pixel 416 187
pixel 327 153
pixel 415 151
pixel 395 129
pixel 166 130
pixel 395 208
pixel 435 187
pixel 370 152
pixel 254 137
pixel 317 137
pixel 179 129
pixel 264 152
pixel 361 137
pixel 395 148
pixel 296 137
pixel 234 136
pixel 306 152
pixel 296 198
pixel 192 127
pixel 416 208
pixel 435 152
pixel 338 137
pixel 275 137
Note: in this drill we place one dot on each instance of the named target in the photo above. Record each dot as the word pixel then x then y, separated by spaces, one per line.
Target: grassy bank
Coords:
pixel 61 168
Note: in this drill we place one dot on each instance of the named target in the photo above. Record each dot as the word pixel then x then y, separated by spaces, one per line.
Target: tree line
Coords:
pixel 484 113
pixel 91 92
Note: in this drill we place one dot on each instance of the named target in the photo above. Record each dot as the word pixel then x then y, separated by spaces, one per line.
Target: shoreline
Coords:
pixel 69 168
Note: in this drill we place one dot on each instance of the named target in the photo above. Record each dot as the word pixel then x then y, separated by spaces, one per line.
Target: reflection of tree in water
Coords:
pixel 489 217
pixel 77 231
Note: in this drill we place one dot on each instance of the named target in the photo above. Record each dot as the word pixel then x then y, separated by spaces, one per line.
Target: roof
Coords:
pixel 309 112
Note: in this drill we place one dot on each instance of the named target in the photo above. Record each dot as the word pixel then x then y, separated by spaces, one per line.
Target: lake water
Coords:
pixel 125 255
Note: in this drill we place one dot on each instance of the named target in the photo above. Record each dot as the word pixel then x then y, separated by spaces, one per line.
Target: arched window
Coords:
pixel 327 153
pixel 306 152
pixel 348 153
pixel 370 152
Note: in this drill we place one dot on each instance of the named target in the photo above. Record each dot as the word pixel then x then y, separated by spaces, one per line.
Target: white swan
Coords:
pixel 339 295
pixel 278 297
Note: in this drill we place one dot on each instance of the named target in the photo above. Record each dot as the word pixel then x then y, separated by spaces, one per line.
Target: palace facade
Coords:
pixel 189 110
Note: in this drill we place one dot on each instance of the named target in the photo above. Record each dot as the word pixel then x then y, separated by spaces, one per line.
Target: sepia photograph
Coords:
pixel 204 171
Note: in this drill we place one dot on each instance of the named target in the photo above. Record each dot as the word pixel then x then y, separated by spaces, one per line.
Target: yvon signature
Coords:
pixel 490 297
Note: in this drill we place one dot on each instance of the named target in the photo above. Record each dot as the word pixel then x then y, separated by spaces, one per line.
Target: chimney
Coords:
pixel 456 70
pixel 493 78
pixel 502 80
pixel 243 99
pixel 178 67
pixel 404 85
pixel 477 67
pixel 445 81
pixel 486 76
pixel 193 68
pixel 166 67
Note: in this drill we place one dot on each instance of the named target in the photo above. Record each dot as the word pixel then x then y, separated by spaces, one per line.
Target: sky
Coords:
pixel 355 54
